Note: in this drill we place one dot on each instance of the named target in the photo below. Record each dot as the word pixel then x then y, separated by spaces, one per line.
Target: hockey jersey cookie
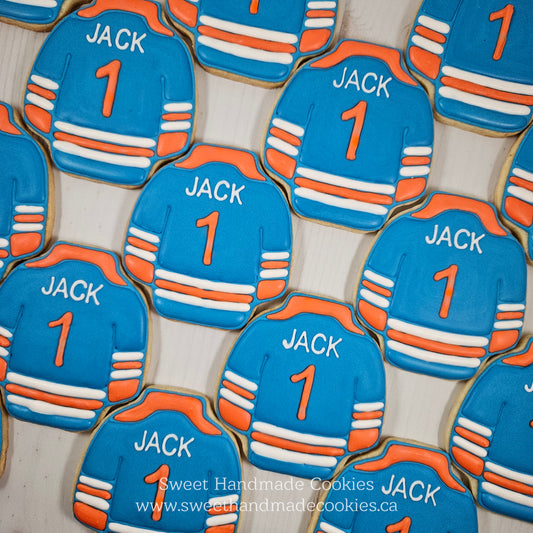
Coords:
pixel 304 386
pixel 407 488
pixel 261 40
pixel 25 184
pixel 514 194
pixel 426 273
pixel 112 91
pixel 492 434
pixel 474 57
pixel 351 137
pixel 73 337
pixel 142 458
pixel 38 15
pixel 211 237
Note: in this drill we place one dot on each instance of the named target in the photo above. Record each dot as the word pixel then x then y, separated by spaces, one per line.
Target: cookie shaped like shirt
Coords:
pixel 445 287
pixel 515 197
pixel 73 337
pixel 476 57
pixel 492 434
pixel 351 137
pixel 40 15
pixel 112 91
pixel 261 40
pixel 304 386
pixel 146 454
pixel 24 212
pixel 211 237
pixel 407 488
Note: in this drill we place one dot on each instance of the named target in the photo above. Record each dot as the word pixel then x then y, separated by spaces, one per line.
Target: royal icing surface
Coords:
pixel 408 488
pixel 262 40
pixel 73 337
pixel 516 199
pixel 211 237
pixel 476 56
pixel 24 198
pixel 492 434
pixel 166 453
pixel 305 386
pixel 445 287
pixel 37 14
pixel 351 137
pixel 105 95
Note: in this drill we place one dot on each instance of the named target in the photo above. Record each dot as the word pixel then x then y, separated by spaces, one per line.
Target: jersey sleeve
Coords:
pixel 46 77
pixel 287 128
pixel 240 379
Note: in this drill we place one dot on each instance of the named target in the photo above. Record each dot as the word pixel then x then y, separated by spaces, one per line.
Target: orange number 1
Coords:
pixel 160 476
pixel 65 322
pixel 358 113
pixel 254 7
pixel 308 375
pixel 403 526
pixel 506 14
pixel 211 221
pixel 450 274
pixel 109 71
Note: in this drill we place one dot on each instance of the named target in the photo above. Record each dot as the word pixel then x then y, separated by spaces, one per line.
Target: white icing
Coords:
pixel 369 406
pixel 319 22
pixel 241 381
pixel 143 254
pixel 4 243
pixel 29 209
pixel 470 446
pixel 150 237
pixel 25 227
pixel 293 129
pixel 508 473
pixel 296 436
pixel 6 333
pixel 115 527
pixel 366 424
pixel 3 352
pixel 506 494
pixel 343 203
pixel 223 501
pixel 409 171
pixel 221 519
pixel 236 399
pixel 206 284
pixel 55 388
pixel 520 192
pixel 282 146
pixel 528 176
pixel 249 31
pixel 288 456
pixel 1 264
pixel 437 335
pixel 433 357
pixel 508 324
pixel 35 3
pixel 93 501
pixel 104 157
pixel 328 528
pixel 176 125
pixel 347 183
pixel 99 135
pixel 427 44
pixel 126 374
pixel 324 4
pixel 39 101
pixel 44 408
pixel 511 307
pixel 434 24
pixel 484 102
pixel 275 256
pixel 245 52
pixel 128 356
pixel 45 83
pixel 378 278
pixel 374 298
pixel 178 107
pixel 487 81
pixel 418 150
pixel 95 483
pixel 202 302
pixel 274 273
pixel 474 426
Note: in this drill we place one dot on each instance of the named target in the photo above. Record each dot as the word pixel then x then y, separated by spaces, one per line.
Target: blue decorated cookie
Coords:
pixel 304 386
pixel 26 201
pixel 160 464
pixel 351 137
pixel 514 193
pixel 404 488
pixel 492 434
pixel 73 337
pixel 112 91
pixel 211 237
pixel 262 41
pixel 475 58
pixel 445 287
